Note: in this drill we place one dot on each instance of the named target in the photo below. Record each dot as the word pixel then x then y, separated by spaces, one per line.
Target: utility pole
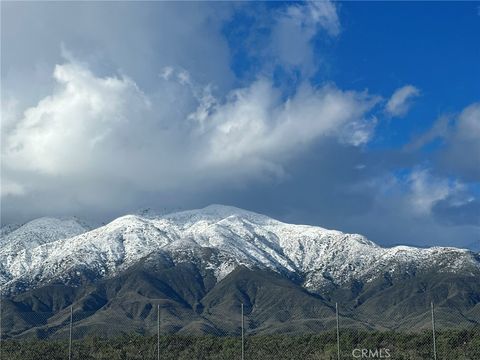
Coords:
pixel 70 336
pixel 158 331
pixel 0 323
pixel 338 331
pixel 243 337
pixel 433 332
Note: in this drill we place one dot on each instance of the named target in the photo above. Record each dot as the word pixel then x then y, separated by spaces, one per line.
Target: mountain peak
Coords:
pixel 43 230
pixel 215 213
pixel 219 237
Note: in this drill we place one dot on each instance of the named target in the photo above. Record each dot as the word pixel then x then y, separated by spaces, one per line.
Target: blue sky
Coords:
pixel 359 116
pixel 434 46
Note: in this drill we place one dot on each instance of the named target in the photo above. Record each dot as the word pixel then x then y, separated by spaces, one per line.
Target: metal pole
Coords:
pixel 70 337
pixel 338 331
pixel 158 331
pixel 0 323
pixel 433 332
pixel 243 338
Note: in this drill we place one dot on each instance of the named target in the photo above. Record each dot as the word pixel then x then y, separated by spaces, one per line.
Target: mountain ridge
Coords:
pixel 322 257
pixel 200 265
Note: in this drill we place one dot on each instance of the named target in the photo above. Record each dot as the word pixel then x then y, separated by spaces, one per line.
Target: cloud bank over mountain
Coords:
pixel 233 104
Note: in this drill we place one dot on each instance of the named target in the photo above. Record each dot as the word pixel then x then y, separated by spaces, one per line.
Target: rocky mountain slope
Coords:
pixel 202 263
pixel 47 250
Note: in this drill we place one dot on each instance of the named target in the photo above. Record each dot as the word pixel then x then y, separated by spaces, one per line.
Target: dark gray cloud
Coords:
pixel 138 40
pixel 462 153
pixel 459 143
pixel 453 212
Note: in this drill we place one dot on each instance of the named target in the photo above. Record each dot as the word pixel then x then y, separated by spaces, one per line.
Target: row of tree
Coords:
pixel 451 345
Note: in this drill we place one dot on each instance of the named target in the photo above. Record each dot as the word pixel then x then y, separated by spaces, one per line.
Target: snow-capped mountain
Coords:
pixel 41 231
pixel 46 249
pixel 18 241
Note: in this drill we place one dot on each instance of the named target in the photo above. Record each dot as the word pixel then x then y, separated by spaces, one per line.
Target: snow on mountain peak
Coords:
pixel 215 213
pixel 238 237
pixel 44 230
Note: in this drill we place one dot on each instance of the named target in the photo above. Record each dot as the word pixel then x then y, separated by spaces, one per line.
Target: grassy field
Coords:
pixel 451 345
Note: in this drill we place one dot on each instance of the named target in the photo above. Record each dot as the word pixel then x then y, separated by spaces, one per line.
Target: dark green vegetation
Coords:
pixel 452 345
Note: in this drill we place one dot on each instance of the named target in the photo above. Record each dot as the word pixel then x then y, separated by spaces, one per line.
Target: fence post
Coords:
pixel 338 331
pixel 433 332
pixel 70 335
pixel 158 331
pixel 243 338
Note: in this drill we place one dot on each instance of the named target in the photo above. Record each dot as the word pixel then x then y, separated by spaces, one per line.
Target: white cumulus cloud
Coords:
pixel 256 124
pixel 95 132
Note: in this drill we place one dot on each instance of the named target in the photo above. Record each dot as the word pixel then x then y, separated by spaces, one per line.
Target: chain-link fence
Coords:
pixel 161 332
